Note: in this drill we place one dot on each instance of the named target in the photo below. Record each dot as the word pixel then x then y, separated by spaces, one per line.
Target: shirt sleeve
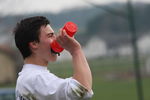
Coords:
pixel 49 86
pixel 79 91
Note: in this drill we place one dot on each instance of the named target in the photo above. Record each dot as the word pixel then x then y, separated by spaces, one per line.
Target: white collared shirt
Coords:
pixel 37 83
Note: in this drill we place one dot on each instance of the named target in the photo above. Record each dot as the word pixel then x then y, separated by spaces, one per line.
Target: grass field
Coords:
pixel 113 79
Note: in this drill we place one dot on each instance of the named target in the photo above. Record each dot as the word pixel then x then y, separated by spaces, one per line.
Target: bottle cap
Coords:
pixel 70 28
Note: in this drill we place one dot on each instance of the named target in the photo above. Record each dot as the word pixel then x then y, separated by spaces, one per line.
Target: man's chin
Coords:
pixel 54 55
pixel 53 58
pixel 52 61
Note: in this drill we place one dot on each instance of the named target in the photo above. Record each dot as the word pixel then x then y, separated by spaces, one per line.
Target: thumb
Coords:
pixel 64 33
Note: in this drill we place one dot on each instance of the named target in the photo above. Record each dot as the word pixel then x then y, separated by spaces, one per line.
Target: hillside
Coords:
pixel 92 21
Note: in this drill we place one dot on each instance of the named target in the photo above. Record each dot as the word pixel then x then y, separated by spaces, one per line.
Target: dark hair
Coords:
pixel 28 30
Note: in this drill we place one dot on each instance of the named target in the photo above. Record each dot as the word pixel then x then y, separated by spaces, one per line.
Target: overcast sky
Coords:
pixel 9 7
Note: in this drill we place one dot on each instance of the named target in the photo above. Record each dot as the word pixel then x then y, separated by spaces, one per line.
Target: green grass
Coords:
pixel 107 89
pixel 108 82
pixel 119 90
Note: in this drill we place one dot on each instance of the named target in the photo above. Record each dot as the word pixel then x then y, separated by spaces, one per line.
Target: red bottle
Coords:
pixel 71 29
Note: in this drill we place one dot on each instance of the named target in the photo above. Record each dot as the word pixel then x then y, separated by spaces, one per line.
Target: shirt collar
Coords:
pixel 34 66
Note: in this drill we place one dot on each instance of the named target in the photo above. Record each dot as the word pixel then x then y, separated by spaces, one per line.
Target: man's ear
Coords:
pixel 33 45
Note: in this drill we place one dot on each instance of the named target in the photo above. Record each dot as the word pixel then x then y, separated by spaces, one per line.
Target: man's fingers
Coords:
pixel 63 37
pixel 60 39
pixel 66 36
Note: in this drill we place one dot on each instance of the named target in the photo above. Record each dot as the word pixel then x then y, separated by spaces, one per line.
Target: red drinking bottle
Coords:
pixel 71 29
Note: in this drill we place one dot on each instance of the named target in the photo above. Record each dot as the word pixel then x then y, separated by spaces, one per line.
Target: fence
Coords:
pixel 7 94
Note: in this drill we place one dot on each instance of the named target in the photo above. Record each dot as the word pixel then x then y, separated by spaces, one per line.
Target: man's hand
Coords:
pixel 67 42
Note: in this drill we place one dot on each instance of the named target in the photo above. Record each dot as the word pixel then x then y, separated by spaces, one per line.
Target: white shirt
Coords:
pixel 37 83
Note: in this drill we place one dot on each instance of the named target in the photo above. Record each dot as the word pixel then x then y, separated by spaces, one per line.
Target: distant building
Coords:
pixel 8 65
pixel 64 56
pixel 95 48
pixel 144 44
pixel 125 50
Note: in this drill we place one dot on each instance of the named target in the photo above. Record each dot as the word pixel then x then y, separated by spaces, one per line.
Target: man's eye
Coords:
pixel 50 34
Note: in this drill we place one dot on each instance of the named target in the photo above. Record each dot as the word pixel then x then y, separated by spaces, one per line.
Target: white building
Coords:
pixel 125 50
pixel 95 48
pixel 144 44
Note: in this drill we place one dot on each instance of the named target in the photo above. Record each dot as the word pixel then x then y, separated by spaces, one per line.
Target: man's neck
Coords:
pixel 36 61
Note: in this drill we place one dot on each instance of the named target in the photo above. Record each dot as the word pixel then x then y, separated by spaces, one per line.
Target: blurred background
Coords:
pixel 114 34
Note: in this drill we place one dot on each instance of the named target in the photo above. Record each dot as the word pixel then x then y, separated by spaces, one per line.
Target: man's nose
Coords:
pixel 54 37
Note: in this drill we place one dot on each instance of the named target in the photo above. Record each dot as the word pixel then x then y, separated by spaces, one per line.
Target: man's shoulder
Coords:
pixel 28 75
pixel 34 74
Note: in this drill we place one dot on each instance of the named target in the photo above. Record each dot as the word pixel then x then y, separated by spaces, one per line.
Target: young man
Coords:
pixel 33 37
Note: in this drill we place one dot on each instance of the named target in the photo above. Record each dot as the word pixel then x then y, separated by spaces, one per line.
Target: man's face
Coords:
pixel 46 37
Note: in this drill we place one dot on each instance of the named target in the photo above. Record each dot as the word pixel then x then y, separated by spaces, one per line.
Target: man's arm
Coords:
pixel 82 72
